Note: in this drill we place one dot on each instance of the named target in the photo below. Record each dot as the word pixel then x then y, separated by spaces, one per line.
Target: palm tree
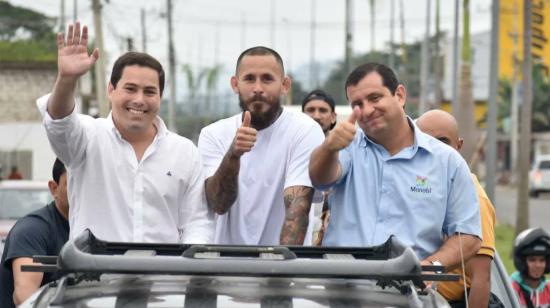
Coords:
pixel 466 119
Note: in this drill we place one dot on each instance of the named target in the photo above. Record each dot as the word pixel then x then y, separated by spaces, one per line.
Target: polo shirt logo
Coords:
pixel 169 173
pixel 421 185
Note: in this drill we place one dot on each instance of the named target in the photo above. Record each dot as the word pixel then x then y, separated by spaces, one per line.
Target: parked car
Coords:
pixel 17 199
pixel 539 176
pixel 107 274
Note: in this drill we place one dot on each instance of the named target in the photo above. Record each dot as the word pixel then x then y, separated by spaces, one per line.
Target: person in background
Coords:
pixel 15 174
pixel 320 106
pixel 443 126
pixel 256 161
pixel 532 261
pixel 42 232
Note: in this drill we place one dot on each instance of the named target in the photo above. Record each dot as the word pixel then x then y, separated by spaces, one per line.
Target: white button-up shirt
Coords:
pixel 158 199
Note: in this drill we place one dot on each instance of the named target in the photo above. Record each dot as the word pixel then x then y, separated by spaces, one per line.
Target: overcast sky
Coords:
pixel 216 31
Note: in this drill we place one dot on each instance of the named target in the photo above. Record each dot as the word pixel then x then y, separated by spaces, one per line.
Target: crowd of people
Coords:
pixel 256 178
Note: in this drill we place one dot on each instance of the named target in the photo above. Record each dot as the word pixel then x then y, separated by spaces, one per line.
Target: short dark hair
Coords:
pixel 58 170
pixel 139 59
pixel 388 76
pixel 320 95
pixel 260 51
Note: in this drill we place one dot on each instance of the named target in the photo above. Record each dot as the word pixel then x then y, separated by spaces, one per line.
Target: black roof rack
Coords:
pixel 90 257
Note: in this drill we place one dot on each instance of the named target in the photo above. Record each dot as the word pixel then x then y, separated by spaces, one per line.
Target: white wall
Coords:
pixel 29 136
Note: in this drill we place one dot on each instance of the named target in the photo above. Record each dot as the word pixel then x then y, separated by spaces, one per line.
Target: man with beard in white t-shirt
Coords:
pixel 256 162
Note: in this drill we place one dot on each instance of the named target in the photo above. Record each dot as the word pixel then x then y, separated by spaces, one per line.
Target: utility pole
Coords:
pixel 424 64
pixel 522 213
pixel 404 58
pixel 272 28
pixel 62 17
pixel 516 85
pixel 438 74
pixel 312 70
pixel 143 31
pixel 243 31
pixel 75 10
pixel 217 45
pixel 491 158
pixel 392 30
pixel 101 94
pixel 130 44
pixel 349 37
pixel 372 24
pixel 455 104
pixel 172 70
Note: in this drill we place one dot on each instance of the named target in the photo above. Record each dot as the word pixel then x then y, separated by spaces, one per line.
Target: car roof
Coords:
pixel 229 291
pixel 389 273
pixel 23 184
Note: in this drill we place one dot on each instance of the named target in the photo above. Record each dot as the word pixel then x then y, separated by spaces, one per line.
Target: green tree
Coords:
pixel 541 100
pixel 13 18
pixel 297 91
pixel 407 70
pixel 40 46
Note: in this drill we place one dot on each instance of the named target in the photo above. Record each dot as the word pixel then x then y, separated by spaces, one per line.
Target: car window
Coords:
pixel 16 203
pixel 545 164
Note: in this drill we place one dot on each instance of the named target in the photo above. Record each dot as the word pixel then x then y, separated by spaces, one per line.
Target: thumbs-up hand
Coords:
pixel 244 138
pixel 343 133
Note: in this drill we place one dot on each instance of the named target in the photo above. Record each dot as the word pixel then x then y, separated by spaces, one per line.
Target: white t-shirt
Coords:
pixel 158 199
pixel 279 159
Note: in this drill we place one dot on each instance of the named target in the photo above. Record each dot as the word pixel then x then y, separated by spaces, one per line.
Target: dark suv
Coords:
pixel 108 274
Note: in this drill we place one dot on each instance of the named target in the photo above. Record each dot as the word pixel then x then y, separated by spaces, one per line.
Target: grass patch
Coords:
pixel 504 238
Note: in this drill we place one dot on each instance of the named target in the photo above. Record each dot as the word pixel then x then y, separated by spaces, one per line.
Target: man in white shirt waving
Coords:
pixel 130 178
pixel 257 161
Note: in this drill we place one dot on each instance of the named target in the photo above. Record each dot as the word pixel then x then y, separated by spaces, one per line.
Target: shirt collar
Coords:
pixel 421 139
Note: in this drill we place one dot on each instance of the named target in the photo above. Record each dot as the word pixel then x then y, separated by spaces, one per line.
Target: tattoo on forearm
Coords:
pixel 223 187
pixel 297 204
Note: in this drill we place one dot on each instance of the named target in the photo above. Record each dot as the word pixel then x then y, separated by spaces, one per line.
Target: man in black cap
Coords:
pixel 319 105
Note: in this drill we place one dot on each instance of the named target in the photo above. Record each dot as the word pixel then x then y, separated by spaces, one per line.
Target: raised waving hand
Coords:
pixel 73 59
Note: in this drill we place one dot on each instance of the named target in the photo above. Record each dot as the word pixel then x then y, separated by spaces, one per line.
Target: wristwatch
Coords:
pixel 437 263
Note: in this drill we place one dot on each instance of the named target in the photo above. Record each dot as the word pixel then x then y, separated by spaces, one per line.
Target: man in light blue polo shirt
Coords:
pixel 391 178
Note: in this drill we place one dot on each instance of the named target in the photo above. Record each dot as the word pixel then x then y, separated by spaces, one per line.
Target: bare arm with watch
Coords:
pixel 449 254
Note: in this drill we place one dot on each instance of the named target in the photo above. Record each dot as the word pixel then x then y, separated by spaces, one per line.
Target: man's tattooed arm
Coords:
pixel 297 205
pixel 222 188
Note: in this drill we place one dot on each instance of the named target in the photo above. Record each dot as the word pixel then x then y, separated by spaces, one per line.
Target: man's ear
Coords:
pixel 401 94
pixel 287 85
pixel 234 83
pixel 460 143
pixel 52 185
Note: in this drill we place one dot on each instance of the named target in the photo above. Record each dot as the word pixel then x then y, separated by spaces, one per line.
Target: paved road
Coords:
pixel 506 202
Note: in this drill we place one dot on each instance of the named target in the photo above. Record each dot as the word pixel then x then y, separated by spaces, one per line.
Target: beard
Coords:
pixel 260 120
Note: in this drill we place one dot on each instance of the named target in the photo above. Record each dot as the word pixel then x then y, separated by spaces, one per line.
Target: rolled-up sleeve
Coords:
pixel 67 136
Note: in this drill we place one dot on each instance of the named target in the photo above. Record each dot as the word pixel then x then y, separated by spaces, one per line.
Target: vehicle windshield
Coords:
pixel 544 165
pixel 16 203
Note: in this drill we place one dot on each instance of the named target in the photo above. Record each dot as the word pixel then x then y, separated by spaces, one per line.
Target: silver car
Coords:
pixel 539 176
pixel 17 199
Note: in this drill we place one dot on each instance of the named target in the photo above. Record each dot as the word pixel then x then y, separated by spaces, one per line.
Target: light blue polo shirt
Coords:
pixel 420 194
